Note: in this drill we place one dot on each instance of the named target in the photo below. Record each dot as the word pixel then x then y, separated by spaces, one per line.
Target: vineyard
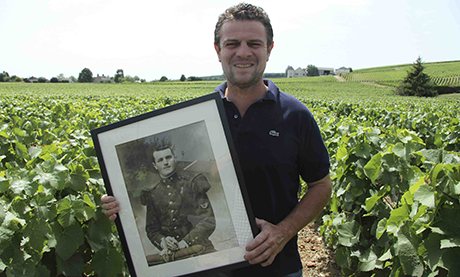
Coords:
pixel 395 168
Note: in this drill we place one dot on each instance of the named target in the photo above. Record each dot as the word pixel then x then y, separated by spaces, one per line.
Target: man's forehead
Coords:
pixel 243 29
pixel 162 152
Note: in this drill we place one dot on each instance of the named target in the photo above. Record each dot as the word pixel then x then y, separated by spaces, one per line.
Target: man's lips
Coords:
pixel 243 64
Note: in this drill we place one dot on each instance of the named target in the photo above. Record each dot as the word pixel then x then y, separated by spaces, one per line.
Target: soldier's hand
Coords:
pixel 110 206
pixel 182 244
pixel 169 243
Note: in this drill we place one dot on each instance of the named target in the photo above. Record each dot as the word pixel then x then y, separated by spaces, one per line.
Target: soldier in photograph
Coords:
pixel 179 213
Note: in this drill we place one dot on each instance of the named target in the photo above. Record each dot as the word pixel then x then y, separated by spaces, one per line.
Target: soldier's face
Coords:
pixel 164 162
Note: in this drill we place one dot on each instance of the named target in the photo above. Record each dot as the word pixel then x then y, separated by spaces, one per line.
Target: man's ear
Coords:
pixel 155 166
pixel 269 49
pixel 217 48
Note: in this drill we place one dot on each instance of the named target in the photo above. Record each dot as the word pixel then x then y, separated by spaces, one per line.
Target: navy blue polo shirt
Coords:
pixel 277 141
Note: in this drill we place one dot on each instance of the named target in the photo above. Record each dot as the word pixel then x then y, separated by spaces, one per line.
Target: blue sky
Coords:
pixel 155 38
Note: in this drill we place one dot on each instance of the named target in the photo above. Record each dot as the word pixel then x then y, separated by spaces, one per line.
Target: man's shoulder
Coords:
pixel 196 181
pixel 188 175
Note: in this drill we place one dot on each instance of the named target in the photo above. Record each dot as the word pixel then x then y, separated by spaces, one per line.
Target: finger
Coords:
pixel 111 211
pixel 260 222
pixel 257 241
pixel 113 217
pixel 254 254
pixel 107 198
pixel 110 205
pixel 259 258
pixel 269 261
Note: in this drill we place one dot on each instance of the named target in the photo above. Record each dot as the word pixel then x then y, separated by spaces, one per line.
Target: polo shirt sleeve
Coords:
pixel 313 156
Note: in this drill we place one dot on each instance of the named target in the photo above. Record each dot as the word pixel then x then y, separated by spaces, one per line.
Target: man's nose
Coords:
pixel 244 50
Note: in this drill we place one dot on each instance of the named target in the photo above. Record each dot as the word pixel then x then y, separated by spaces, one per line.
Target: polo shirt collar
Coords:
pixel 270 95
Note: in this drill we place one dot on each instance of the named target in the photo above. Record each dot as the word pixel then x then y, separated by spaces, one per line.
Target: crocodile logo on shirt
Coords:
pixel 274 133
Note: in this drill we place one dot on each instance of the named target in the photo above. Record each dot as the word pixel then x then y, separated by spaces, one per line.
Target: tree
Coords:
pixel 312 70
pixel 42 80
pixel 54 80
pixel 62 79
pixel 193 78
pixel 163 78
pixel 417 82
pixel 119 76
pixel 85 76
pixel 4 77
pixel 15 78
pixel 182 78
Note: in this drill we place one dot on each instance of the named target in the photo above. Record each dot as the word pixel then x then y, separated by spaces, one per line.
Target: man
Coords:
pixel 171 203
pixel 277 140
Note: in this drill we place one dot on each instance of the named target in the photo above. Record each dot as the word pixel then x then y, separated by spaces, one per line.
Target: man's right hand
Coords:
pixel 110 206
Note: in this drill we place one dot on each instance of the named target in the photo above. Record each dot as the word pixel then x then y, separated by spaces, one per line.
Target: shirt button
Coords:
pixel 235 116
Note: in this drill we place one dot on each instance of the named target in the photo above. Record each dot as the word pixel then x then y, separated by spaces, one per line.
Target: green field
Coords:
pixel 442 74
pixel 395 168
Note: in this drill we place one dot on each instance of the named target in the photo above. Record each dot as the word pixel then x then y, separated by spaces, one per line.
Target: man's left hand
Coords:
pixel 266 245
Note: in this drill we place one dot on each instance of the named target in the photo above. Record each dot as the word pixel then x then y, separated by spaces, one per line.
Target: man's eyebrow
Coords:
pixel 231 40
pixel 255 40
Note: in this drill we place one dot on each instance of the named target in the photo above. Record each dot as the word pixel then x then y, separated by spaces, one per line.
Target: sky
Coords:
pixel 151 39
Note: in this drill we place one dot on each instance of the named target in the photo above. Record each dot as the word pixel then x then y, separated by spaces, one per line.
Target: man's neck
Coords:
pixel 243 98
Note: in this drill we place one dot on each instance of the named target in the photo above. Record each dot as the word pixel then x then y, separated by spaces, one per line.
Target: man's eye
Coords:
pixel 231 44
pixel 255 44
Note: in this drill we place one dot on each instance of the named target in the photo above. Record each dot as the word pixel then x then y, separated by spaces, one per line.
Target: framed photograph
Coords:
pixel 183 204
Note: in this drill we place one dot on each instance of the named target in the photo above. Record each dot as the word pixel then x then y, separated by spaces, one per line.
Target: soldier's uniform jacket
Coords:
pixel 179 207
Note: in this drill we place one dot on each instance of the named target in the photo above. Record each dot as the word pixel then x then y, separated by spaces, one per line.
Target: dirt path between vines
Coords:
pixel 317 259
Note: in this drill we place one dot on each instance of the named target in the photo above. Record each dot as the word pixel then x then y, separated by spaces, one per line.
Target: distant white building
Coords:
pixel 102 79
pixel 323 71
pixel 299 72
pixel 342 70
pixel 326 71
pixel 302 72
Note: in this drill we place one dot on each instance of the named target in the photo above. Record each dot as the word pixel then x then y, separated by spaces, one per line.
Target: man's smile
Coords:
pixel 243 65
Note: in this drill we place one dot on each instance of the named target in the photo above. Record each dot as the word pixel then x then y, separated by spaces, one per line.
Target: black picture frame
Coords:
pixel 202 146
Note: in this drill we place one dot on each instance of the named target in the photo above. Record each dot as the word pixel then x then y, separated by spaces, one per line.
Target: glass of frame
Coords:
pixel 174 171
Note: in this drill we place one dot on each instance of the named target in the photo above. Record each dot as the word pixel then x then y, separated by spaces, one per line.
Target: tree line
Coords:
pixel 87 76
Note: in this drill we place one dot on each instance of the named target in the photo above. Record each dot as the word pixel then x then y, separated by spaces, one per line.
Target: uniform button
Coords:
pixel 172 211
pixel 175 227
pixel 173 219
pixel 168 186
pixel 235 116
pixel 169 194
pixel 170 202
pixel 177 236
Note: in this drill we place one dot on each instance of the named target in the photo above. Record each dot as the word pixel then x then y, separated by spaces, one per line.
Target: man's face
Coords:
pixel 243 52
pixel 164 162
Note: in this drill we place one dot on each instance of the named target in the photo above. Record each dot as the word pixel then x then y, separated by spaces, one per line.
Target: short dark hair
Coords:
pixel 161 143
pixel 244 11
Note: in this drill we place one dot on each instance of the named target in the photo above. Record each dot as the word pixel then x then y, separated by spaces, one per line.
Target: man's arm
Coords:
pixel 202 211
pixel 272 238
